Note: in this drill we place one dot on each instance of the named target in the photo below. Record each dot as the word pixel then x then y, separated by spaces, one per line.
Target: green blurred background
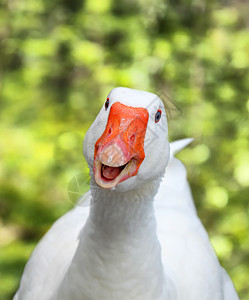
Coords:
pixel 58 61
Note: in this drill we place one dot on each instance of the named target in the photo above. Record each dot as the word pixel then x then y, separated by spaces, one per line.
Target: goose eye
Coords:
pixel 107 103
pixel 158 115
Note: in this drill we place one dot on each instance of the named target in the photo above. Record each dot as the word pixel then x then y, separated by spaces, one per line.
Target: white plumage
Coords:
pixel 138 241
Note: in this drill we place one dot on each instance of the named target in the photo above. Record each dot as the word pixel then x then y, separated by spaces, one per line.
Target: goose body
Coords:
pixel 141 238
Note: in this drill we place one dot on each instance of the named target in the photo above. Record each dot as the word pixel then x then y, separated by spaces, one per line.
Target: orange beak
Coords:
pixel 119 152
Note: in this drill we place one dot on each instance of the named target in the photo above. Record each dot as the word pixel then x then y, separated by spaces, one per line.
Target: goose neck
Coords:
pixel 127 213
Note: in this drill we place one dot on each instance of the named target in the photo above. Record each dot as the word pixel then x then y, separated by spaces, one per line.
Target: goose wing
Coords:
pixel 187 255
pixel 52 256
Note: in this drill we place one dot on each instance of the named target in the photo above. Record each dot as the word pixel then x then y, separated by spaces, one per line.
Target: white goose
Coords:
pixel 128 245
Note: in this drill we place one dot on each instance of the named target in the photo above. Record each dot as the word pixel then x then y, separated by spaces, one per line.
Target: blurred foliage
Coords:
pixel 58 61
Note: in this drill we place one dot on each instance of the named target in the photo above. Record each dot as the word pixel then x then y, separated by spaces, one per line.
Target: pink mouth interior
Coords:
pixel 110 173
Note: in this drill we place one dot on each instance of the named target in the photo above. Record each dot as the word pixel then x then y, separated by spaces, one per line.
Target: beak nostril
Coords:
pixel 132 137
pixel 109 131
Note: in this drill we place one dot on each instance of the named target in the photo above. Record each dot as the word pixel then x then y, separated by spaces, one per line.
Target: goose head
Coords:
pixel 127 144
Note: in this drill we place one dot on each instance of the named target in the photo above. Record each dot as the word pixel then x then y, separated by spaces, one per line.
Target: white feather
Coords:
pixel 128 246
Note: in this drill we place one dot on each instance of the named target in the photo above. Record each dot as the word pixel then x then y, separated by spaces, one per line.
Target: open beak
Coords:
pixel 119 152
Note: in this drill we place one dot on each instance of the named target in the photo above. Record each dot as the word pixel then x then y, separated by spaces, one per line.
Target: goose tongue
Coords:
pixel 110 172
